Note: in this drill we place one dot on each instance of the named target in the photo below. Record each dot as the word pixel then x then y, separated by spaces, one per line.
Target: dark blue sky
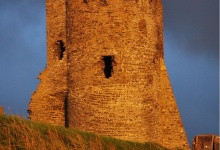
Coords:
pixel 191 38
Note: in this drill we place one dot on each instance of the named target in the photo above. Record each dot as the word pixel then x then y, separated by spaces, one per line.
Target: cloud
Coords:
pixel 191 31
pixel 194 25
pixel 23 51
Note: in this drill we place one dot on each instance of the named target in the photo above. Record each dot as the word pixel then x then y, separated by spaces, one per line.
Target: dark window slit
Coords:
pixel 61 48
pixel 108 69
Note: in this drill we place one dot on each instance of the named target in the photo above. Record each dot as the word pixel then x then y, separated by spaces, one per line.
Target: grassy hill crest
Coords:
pixel 21 134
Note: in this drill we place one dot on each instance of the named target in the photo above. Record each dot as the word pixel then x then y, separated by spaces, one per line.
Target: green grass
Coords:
pixel 21 134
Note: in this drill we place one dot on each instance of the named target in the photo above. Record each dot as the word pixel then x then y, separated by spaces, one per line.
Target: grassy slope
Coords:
pixel 20 134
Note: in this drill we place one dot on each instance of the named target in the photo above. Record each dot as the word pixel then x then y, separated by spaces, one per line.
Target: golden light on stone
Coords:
pixel 105 72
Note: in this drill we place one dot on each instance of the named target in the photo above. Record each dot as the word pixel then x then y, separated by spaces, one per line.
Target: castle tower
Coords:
pixel 105 72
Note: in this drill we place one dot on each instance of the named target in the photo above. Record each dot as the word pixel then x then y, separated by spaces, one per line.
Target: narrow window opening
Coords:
pixel 85 1
pixel 29 113
pixel 61 48
pixel 66 111
pixel 108 69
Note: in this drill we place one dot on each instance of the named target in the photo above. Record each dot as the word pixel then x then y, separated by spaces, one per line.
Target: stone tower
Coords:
pixel 105 72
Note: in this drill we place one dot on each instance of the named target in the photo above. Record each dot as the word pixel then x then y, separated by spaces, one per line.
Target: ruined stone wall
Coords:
pixel 47 103
pixel 135 100
pixel 2 110
pixel 172 129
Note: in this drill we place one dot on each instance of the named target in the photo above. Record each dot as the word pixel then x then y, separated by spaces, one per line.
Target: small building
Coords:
pixel 206 142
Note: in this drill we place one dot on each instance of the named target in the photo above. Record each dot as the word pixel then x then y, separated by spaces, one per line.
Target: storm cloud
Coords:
pixel 191 35
pixel 23 54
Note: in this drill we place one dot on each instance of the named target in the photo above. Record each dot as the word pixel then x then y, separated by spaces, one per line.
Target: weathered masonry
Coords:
pixel 105 72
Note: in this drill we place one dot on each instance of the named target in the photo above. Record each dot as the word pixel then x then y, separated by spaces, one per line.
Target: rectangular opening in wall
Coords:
pixel 108 62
